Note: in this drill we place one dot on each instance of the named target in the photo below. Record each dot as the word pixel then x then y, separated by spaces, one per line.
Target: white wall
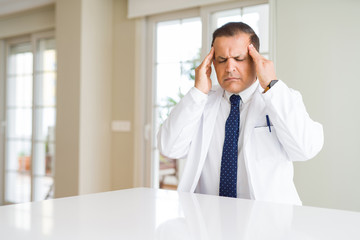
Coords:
pixel 68 45
pixel 95 96
pixel 318 49
pixel 83 136
pixel 123 92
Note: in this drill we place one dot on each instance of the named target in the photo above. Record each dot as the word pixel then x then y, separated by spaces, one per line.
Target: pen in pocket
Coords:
pixel 268 122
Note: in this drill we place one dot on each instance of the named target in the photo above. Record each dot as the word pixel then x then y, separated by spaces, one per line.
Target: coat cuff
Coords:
pixel 198 96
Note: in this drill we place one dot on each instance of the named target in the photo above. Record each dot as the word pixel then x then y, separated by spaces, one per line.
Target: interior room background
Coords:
pixel 82 117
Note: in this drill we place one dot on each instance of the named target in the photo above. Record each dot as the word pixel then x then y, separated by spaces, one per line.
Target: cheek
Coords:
pixel 219 70
pixel 246 68
pixel 217 67
pixel 252 70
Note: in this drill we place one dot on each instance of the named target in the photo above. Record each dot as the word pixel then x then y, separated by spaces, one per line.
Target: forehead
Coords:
pixel 237 44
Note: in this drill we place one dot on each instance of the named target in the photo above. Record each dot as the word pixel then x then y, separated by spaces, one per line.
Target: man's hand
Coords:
pixel 203 72
pixel 265 70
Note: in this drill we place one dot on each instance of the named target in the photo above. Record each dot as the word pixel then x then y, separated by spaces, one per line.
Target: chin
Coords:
pixel 233 87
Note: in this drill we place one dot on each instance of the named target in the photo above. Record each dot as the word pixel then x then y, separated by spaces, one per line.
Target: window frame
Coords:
pixel 2 117
pixel 32 39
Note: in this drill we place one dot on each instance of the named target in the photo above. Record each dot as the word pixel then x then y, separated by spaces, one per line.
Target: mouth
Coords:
pixel 232 79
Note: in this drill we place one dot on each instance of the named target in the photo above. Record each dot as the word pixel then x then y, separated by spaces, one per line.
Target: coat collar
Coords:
pixel 245 95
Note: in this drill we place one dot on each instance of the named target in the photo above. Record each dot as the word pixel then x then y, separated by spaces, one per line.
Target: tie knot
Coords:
pixel 235 99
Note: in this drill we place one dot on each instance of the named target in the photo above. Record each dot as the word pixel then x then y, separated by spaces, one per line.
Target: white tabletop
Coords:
pixel 143 213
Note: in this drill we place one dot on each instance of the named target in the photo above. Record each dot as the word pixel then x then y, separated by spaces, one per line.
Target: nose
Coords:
pixel 230 65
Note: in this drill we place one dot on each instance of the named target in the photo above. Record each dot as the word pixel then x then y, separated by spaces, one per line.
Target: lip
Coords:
pixel 232 79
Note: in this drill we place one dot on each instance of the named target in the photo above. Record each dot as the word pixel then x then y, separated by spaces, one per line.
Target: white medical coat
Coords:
pixel 268 155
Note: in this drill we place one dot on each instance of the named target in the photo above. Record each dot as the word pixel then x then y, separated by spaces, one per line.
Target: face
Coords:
pixel 234 67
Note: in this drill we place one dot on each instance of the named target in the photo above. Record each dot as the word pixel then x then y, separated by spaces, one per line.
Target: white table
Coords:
pixel 143 213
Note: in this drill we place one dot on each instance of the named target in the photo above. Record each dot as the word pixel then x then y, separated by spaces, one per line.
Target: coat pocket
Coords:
pixel 265 144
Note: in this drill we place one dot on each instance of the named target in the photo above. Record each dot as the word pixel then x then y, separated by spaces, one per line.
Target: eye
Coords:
pixel 239 60
pixel 222 60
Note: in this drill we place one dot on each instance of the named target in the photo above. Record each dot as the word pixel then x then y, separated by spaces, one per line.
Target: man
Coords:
pixel 241 137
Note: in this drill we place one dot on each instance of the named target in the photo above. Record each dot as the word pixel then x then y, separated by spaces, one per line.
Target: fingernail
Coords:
pixel 251 45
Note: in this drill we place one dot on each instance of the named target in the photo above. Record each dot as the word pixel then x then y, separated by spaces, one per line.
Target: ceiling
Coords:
pixel 13 6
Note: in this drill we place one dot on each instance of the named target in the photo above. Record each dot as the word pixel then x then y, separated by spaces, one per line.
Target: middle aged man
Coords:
pixel 241 137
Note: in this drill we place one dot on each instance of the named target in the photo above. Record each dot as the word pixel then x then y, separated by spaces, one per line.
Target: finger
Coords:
pixel 208 72
pixel 254 53
pixel 208 59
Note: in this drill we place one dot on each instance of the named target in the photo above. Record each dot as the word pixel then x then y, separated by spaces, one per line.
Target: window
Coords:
pixel 30 109
pixel 174 78
pixel 181 41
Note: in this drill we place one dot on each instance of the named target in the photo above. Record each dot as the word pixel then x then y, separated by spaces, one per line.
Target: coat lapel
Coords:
pixel 209 119
pixel 256 109
pixel 210 115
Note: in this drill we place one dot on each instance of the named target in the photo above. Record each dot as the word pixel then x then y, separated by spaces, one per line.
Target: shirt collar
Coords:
pixel 245 94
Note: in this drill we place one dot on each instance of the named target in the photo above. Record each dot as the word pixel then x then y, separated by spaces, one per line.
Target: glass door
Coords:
pixel 30 119
pixel 45 115
pixel 19 103
pixel 178 47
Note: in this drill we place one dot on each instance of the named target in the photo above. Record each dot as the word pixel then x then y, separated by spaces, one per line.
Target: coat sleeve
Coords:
pixel 175 134
pixel 301 137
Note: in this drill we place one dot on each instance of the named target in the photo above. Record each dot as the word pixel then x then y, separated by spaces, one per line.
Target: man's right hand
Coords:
pixel 203 72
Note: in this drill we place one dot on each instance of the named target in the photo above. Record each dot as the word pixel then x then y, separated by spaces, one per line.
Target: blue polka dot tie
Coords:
pixel 228 171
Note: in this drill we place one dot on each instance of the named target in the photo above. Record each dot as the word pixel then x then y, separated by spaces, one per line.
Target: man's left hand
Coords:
pixel 265 70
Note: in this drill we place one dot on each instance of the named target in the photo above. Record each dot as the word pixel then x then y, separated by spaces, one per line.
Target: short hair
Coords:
pixel 233 28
